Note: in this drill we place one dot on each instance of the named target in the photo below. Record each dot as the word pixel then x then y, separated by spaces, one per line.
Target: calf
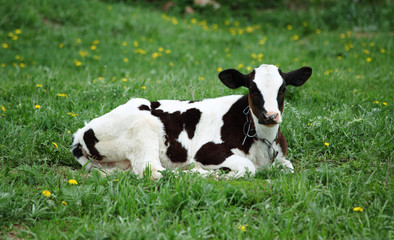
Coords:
pixel 239 133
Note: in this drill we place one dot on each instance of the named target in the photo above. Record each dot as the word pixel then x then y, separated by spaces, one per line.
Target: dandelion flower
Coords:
pixel 38 85
pixel 3 108
pixel 124 79
pixel 62 95
pixel 242 227
pixel 376 102
pixel 5 45
pixel 369 59
pixel 124 43
pixel 96 42
pixel 171 64
pixel 143 87
pixel 46 193
pixel 72 182
pixel 37 106
pixel 384 104
pixel 93 47
pixel 116 180
pixel 289 27
pixel 326 144
pixel 125 60
pixel 72 114
pixel 61 45
pixel 78 63
pixel 64 203
pixel 3 65
pixel 318 31
pixel 18 31
pixel 219 69
pixel 358 209
pixel 22 65
pixel 168 51
pixel 382 50
pixel 54 144
pixel 160 49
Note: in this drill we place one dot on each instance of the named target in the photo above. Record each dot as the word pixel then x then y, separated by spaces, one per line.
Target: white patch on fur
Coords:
pixel 268 81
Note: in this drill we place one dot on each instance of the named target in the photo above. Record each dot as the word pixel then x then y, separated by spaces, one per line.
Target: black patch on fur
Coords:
pixel 281 140
pixel 213 153
pixel 232 136
pixel 155 105
pixel 176 152
pixel 233 123
pixel 77 152
pixel 144 107
pixel 90 140
pixel 174 123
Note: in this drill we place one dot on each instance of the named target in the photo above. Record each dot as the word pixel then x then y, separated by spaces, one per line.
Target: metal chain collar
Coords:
pixel 250 132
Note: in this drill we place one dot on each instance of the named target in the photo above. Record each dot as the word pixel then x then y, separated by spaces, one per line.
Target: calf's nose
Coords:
pixel 272 116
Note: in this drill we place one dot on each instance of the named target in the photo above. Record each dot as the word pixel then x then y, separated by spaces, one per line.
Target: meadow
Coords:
pixel 63 63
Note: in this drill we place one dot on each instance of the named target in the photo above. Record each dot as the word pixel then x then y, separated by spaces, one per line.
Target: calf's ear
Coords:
pixel 233 79
pixel 297 77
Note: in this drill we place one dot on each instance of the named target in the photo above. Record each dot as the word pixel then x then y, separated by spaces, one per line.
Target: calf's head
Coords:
pixel 267 86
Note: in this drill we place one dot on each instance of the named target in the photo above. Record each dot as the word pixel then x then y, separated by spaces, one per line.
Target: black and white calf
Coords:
pixel 236 132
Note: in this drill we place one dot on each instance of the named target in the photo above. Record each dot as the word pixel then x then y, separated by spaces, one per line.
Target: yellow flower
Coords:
pixel 124 43
pixel 219 69
pixel 72 114
pixel 109 8
pixel 22 65
pixel 318 31
pixel 18 31
pixel 382 50
pixel 135 44
pixel 72 182
pixel 3 108
pixel 78 40
pixel 201 78
pixel 160 49
pixel 240 66
pixel 193 21
pixel 64 203
pixel 93 47
pixel 124 79
pixel 54 144
pixel 78 63
pixel 368 59
pixel 96 42
pixel 295 37
pixel 39 85
pixel 339 57
pixel 289 27
pixel 155 55
pixel 14 37
pixel 116 180
pixel 3 65
pixel 37 106
pixel 168 51
pixel 125 60
pixel 384 104
pixel 46 193
pixel 171 64
pixel 358 209
pixel 242 227
pixel 326 144
pixel 62 95
pixel 61 45
pixel 377 102
pixel 366 51
pixel 249 68
pixel 5 45
pixel 143 87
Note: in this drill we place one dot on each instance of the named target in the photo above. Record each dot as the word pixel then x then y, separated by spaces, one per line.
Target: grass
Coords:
pixel 52 80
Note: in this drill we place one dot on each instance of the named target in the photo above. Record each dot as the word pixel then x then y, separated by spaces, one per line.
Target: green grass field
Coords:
pixel 66 62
